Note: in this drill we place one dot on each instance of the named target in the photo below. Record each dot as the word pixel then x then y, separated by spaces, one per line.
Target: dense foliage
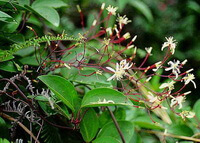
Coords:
pixel 81 71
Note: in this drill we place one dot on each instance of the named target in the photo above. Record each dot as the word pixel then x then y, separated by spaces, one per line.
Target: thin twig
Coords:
pixel 20 124
pixel 31 106
pixel 172 135
pixel 116 124
pixel 40 130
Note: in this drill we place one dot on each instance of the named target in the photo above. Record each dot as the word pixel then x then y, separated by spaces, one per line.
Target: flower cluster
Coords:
pixel 120 70
pixel 119 66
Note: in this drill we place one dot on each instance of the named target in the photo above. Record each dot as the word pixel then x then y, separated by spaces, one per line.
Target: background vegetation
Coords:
pixel 152 21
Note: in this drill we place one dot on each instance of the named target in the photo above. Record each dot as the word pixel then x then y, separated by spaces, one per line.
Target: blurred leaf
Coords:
pixel 30 60
pixel 2 53
pixel 13 38
pixel 155 81
pixel 49 3
pixel 194 6
pixel 109 129
pixel 5 17
pixel 8 66
pixel 121 4
pixel 74 54
pixel 104 97
pixel 25 51
pixel 39 98
pixel 4 132
pixel 106 139
pixel 181 130
pixel 105 117
pixel 48 13
pixel 46 108
pixel 11 27
pixel 4 140
pixel 145 122
pixel 84 77
pixel 89 125
pixel 143 8
pixel 23 2
pixel 196 109
pixel 12 5
pixel 62 88
pixel 136 138
pixel 61 107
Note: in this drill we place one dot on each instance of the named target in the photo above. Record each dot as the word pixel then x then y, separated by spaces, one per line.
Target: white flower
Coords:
pixel 102 6
pixel 169 85
pixel 134 38
pixel 189 78
pixel 149 50
pixel 99 72
pixel 174 66
pixel 184 62
pixel 126 35
pixel 152 98
pixel 157 65
pixel 120 70
pixel 178 100
pixel 106 41
pixel 190 114
pixel 122 20
pixel 187 114
pixel 112 9
pixel 155 100
pixel 170 43
pixel 94 22
pixel 109 30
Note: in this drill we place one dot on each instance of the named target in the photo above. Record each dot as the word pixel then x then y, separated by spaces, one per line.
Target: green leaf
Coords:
pixel 39 98
pixel 25 52
pixel 105 117
pixel 4 140
pixel 5 17
pixel 74 52
pixel 62 88
pixel 145 122
pixel 109 129
pixel 48 13
pixel 2 53
pixel 46 108
pixel 30 60
pixel 106 139
pixel 91 78
pixel 104 97
pixel 63 109
pixel 8 66
pixel 89 125
pixel 49 3
pixel 194 6
pixel 181 130
pixel 143 8
pixel 23 2
pixel 196 109
pixel 4 132
pixel 11 27
pixel 16 38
